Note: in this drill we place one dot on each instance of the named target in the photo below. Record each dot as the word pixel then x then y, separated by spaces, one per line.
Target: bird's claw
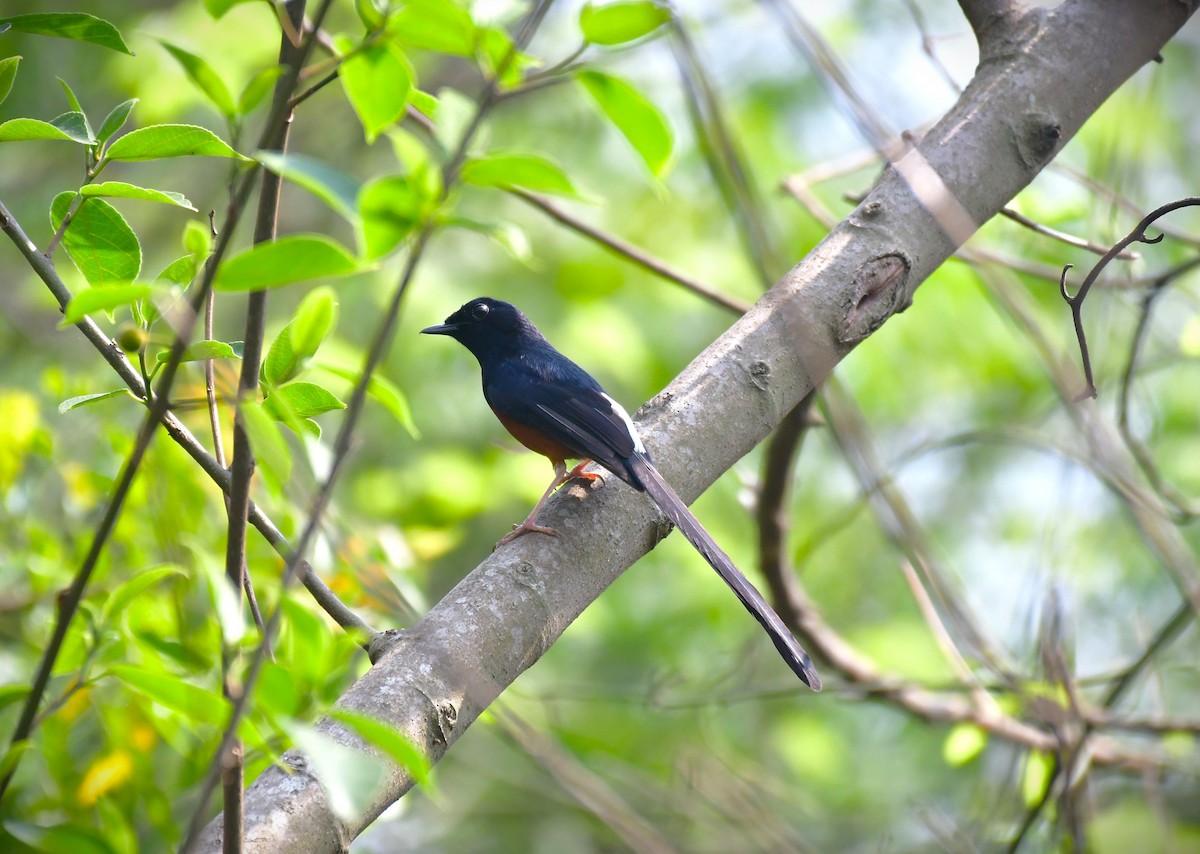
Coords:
pixel 521 530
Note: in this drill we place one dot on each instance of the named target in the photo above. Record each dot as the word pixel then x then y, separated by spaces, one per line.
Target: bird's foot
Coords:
pixel 526 527
pixel 578 471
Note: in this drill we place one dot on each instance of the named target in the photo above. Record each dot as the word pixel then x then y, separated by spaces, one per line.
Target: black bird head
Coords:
pixel 488 327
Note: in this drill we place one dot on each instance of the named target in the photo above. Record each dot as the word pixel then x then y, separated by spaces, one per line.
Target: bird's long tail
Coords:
pixel 671 504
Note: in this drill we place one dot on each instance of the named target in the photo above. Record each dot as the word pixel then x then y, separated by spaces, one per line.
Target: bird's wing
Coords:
pixel 566 404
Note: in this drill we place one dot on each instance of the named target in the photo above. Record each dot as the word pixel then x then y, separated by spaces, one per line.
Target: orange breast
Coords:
pixel 537 441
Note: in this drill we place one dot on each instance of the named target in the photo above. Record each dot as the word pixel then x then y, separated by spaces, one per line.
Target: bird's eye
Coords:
pixel 480 311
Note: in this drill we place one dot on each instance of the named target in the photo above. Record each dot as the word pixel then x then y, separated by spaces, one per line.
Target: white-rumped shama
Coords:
pixel 554 407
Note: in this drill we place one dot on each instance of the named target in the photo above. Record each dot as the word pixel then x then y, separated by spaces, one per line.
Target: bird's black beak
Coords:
pixel 440 329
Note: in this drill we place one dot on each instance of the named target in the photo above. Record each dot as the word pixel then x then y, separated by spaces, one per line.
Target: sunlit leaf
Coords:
pixel 438 25
pixel 115 120
pixel 281 363
pixel 160 141
pixel 303 400
pixel 963 743
pixel 260 85
pixel 642 123
pixel 351 778
pixel 87 399
pixel 385 392
pixel 173 692
pixel 315 318
pixel 71 25
pixel 391 208
pixel 8 73
pixel 133 587
pixel 391 741
pixel 72 127
pixel 291 259
pixel 72 99
pixel 102 298
pixel 519 169
pixel 181 271
pixel 377 80
pixel 202 351
pixel 121 190
pixel 217 8
pixel 330 185
pixel 270 448
pixel 98 239
pixel 617 23
pixel 205 77
pixel 226 600
pixel 507 235
pixel 58 839
pixel 1039 766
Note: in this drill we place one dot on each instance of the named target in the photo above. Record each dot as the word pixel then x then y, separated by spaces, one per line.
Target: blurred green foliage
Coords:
pixel 663 690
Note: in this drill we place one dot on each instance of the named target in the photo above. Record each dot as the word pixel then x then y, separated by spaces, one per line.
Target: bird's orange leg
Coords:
pixel 530 523
pixel 561 476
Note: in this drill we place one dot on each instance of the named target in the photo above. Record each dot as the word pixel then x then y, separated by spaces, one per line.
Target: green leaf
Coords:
pixel 300 400
pixel 270 448
pixel 281 363
pixel 369 13
pixel 385 392
pixel 518 169
pixel 58 839
pixel 258 88
pixel 351 778
pixel 507 235
pixel 71 25
pixel 102 298
pixel 87 399
pixel 377 81
pixel 963 743
pixel 121 190
pixel 172 692
pixel 134 587
pixel 8 73
pixel 1039 767
pixel 197 240
pixel 99 241
pixel 617 23
pixel 391 741
pixel 181 271
pixel 285 261
pixel 315 319
pixel 634 116
pixel 332 186
pixel 115 120
pixel 205 78
pixel 14 753
pixel 202 351
pixel 72 127
pixel 72 101
pixel 438 25
pixel 159 141
pixel 10 694
pixel 217 8
pixel 391 208
pixel 226 600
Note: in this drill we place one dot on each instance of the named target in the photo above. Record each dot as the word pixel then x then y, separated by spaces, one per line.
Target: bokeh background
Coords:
pixel 662 718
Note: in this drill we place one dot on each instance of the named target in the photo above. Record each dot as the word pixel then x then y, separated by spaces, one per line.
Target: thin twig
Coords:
pixel 1138 235
pixel 632 253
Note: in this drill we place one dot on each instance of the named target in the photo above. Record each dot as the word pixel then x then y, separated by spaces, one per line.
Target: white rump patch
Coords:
pixel 624 416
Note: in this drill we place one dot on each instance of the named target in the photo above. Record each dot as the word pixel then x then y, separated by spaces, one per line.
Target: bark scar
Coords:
pixel 879 292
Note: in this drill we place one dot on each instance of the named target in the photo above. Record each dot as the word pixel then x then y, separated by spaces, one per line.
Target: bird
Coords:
pixel 555 408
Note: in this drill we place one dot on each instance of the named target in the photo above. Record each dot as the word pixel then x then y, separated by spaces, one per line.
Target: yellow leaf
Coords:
pixel 106 774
